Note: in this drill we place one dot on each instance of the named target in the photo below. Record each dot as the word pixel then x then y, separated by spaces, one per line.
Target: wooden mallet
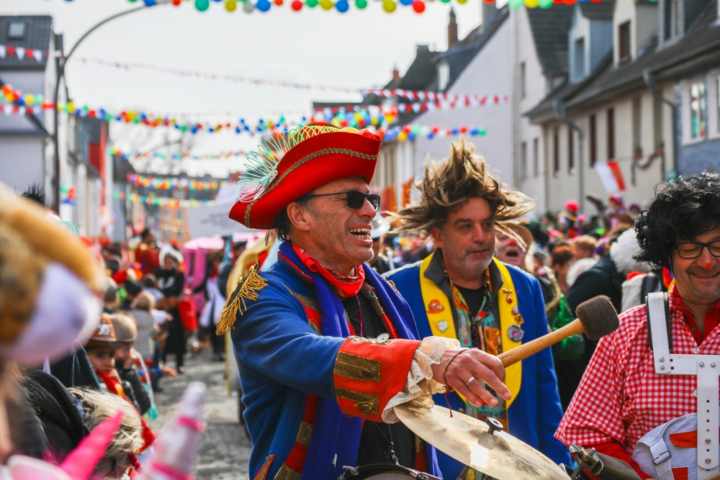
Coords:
pixel 596 318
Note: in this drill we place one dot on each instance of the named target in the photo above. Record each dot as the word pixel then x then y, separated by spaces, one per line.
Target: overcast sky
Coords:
pixel 357 49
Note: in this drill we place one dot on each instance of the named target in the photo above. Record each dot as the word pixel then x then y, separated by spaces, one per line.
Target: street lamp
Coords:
pixel 62 61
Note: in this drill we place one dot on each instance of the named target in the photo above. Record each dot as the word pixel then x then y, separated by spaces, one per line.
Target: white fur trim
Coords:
pixel 622 252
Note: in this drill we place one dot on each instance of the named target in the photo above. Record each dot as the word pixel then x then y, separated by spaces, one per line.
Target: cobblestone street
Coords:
pixel 224 449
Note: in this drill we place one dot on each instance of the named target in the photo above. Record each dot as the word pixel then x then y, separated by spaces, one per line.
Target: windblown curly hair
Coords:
pixel 685 209
pixel 449 185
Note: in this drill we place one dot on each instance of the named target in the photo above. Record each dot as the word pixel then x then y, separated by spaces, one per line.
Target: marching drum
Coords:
pixel 384 472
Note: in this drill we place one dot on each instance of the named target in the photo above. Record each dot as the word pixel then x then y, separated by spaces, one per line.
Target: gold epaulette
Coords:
pixel 247 289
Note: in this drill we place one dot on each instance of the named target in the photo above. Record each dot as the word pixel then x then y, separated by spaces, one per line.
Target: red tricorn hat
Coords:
pixel 289 167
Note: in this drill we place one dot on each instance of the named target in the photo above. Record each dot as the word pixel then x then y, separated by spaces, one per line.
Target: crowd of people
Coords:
pixel 342 312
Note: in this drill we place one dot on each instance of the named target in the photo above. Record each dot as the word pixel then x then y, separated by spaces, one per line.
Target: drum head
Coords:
pixel 385 472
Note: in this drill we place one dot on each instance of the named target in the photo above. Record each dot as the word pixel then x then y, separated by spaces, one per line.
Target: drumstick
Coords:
pixel 596 318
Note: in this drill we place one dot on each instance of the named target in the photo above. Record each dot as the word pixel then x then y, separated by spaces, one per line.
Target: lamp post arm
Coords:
pixel 60 73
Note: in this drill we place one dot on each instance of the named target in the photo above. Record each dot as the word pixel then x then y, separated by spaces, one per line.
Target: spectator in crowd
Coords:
pixel 560 261
pixel 583 246
pixel 110 298
pixel 583 249
pixel 149 285
pixel 171 282
pixel 95 407
pixel 132 289
pixel 566 220
pixel 146 253
pixel 141 311
pixel 125 358
pixel 214 302
pixel 380 261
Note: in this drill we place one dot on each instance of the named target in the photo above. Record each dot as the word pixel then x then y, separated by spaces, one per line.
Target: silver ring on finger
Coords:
pixel 470 380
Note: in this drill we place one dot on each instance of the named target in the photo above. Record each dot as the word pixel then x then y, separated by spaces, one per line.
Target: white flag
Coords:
pixel 3 51
pixel 20 52
pixel 38 55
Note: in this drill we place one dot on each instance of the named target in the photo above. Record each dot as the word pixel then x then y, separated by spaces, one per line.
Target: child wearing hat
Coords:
pixel 125 357
pixel 101 349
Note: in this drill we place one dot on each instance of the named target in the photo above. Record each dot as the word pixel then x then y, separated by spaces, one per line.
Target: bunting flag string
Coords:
pixel 410 95
pixel 216 76
pixel 172 183
pixel 22 52
pixel 406 132
pixel 137 155
pixel 164 201
pixel 413 95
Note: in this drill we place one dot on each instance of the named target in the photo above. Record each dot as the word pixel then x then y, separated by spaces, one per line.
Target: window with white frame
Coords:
pixel 443 73
pixel 717 105
pixel 713 101
pixel 698 110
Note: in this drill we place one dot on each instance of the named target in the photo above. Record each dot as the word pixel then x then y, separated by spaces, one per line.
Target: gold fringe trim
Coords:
pixel 247 289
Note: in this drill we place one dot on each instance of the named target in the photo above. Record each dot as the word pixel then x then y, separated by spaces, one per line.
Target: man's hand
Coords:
pixel 472 364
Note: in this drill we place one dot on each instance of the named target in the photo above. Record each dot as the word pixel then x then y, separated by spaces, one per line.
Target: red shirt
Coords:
pixel 621 398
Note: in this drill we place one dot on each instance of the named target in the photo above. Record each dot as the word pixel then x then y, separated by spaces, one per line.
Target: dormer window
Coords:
pixel 579 59
pixel 624 42
pixel 16 30
pixel 676 18
pixel 443 73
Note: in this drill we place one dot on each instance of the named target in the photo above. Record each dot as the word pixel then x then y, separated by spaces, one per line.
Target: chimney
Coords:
pixel 452 29
pixel 395 73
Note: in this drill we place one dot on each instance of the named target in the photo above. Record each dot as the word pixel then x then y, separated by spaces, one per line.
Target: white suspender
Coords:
pixel 705 367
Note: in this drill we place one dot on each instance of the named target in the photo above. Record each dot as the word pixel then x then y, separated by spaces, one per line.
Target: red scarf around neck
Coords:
pixel 346 286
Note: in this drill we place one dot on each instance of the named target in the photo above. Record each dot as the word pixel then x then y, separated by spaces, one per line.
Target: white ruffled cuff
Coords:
pixel 420 386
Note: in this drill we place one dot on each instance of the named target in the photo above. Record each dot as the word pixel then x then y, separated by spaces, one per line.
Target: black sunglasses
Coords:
pixel 355 199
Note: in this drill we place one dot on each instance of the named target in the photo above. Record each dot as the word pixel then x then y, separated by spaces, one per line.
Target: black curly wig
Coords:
pixel 686 209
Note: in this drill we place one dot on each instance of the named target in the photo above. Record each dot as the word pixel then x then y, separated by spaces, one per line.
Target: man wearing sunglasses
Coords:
pixel 623 397
pixel 326 347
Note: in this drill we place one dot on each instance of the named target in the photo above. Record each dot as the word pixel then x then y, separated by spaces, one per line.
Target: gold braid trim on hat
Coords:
pixel 450 184
pixel 305 159
pixel 247 289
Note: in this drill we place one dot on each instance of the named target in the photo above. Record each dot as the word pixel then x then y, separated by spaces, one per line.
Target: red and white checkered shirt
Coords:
pixel 621 398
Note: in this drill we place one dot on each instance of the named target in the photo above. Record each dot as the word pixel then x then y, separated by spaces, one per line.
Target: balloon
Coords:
pixel 389 6
pixel 545 3
pixel 462 2
pixel 327 4
pixel 418 6
pixel 202 5
pixel 263 5
pixel 149 3
pixel 406 3
pixel 231 5
pixel 279 3
pixel 361 4
pixel 297 6
pixel 515 4
pixel 445 1
pixel 176 2
pixel 311 3
pixel 482 132
pixel 248 7
pixel 342 6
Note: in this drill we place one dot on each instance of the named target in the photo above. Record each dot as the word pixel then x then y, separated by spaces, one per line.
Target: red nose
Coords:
pixel 708 266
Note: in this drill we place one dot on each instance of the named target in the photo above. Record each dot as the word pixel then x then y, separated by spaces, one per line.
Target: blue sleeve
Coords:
pixel 273 339
pixel 548 394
